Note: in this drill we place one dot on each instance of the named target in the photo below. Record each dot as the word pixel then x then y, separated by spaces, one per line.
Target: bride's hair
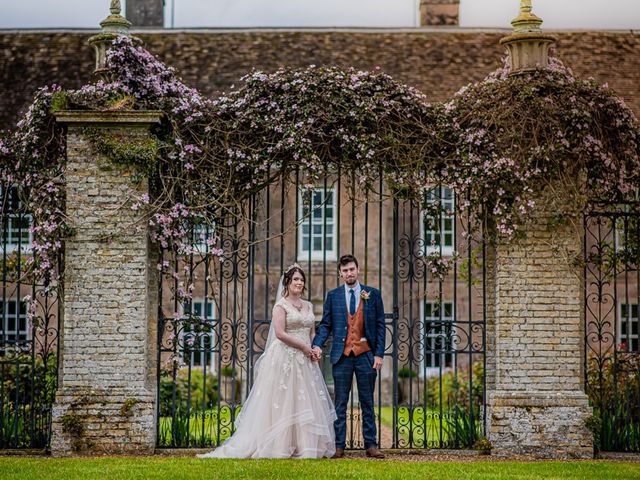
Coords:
pixel 288 276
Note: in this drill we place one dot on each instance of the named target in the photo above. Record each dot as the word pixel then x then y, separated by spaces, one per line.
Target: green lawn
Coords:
pixel 165 468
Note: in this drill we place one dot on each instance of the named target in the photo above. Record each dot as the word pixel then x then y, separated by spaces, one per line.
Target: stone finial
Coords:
pixel 113 26
pixel 115 23
pixel 527 21
pixel 527 46
pixel 115 8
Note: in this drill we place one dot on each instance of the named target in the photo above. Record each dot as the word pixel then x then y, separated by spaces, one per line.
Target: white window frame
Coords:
pixel 321 254
pixel 446 361
pixel 21 317
pixel 446 204
pixel 9 244
pixel 632 339
pixel 13 216
pixel 210 318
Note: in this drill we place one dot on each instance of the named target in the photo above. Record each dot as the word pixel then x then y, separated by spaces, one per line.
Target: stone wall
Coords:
pixel 106 396
pixel 535 348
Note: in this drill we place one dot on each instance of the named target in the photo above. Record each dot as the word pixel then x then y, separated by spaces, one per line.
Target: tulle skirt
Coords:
pixel 288 412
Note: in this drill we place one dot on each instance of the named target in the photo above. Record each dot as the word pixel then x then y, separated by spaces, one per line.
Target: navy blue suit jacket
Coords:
pixel 334 322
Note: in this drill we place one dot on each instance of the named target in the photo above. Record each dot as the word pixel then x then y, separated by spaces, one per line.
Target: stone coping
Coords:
pixel 542 37
pixel 537 399
pixel 107 117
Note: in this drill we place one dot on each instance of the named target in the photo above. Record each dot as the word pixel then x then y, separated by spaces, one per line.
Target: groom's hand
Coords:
pixel 377 363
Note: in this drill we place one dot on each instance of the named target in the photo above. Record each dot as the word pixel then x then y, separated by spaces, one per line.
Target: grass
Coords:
pixel 163 468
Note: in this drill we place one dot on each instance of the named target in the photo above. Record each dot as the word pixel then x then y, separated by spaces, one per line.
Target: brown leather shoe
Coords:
pixel 373 452
pixel 339 453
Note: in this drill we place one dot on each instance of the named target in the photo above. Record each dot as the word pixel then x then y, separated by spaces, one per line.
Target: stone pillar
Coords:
pixel 107 384
pixel 536 402
pixel 145 13
pixel 439 12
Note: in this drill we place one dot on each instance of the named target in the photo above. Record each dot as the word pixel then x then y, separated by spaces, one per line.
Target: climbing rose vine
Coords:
pixel 511 136
pixel 496 143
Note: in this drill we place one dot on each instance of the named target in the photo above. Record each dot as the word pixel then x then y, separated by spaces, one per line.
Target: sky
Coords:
pixel 558 14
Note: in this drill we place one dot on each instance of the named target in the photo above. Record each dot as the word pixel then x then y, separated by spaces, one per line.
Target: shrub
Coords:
pixel 613 386
pixel 406 372
pixel 189 390
pixel 483 446
pixel 22 396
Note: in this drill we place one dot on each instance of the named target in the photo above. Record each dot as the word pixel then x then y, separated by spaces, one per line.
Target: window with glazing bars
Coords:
pixel 438 230
pixel 14 320
pixel 628 339
pixel 317 230
pixel 16 224
pixel 197 334
pixel 437 328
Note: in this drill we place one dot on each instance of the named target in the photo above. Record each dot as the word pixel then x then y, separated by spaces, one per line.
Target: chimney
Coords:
pixel 145 13
pixel 439 12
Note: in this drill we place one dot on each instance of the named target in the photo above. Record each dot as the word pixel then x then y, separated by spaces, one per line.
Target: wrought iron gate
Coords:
pixel 215 311
pixel 612 336
pixel 29 313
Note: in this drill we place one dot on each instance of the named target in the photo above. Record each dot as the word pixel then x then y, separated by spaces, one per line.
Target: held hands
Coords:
pixel 315 354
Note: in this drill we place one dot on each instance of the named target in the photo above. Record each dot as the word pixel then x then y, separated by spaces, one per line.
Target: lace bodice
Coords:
pixel 298 323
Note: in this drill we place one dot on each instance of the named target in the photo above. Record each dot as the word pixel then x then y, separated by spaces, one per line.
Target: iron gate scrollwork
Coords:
pixel 440 329
pixel 29 317
pixel 215 308
pixel 612 336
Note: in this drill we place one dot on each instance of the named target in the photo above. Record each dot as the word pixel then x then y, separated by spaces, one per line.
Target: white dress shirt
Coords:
pixel 356 291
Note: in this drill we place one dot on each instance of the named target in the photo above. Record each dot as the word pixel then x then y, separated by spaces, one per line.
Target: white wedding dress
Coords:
pixel 288 412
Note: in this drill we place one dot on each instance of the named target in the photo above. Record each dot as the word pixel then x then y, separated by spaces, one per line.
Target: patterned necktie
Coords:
pixel 352 302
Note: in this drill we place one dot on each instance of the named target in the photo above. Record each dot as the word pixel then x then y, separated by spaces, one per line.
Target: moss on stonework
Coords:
pixel 59 101
pixel 72 424
pixel 127 407
pixel 140 152
pixel 123 102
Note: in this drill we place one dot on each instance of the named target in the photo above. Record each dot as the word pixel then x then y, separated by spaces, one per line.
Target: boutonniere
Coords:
pixel 364 295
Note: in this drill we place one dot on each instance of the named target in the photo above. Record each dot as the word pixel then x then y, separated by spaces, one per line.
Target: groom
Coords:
pixel 354 315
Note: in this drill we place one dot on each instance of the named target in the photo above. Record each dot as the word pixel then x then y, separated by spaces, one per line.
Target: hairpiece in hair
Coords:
pixel 291 267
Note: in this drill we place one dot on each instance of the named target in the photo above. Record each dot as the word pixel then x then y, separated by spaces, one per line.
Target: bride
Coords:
pixel 288 412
